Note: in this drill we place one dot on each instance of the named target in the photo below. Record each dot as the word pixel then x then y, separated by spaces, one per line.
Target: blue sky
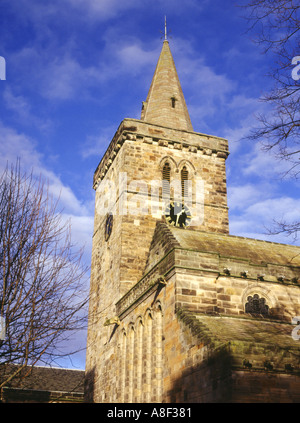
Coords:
pixel 76 68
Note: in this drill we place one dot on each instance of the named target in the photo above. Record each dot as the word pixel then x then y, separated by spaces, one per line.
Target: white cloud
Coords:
pixel 263 163
pixel 95 145
pixel 134 57
pixel 41 13
pixel 17 103
pixel 14 145
pixel 66 78
pixel 102 9
pixel 256 219
pixel 241 197
pixel 278 208
pixel 17 145
pixel 22 110
pixel 60 75
pixel 82 229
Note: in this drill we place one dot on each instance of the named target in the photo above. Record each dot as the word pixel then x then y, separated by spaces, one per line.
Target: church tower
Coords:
pixel 159 187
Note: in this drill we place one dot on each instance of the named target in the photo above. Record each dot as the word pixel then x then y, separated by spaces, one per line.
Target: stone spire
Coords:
pixel 165 104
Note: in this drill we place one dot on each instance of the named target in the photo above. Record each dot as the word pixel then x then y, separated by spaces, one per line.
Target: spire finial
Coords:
pixel 166 29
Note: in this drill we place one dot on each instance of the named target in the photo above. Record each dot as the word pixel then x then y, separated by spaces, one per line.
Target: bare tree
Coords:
pixel 42 295
pixel 276 24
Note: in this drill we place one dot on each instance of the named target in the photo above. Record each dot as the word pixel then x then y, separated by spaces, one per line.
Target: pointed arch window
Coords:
pixel 138 360
pixel 130 364
pixel 166 179
pixel 123 366
pixel 184 182
pixel 148 354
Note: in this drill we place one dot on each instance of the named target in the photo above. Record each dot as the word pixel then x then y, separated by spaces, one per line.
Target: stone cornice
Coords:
pixel 159 274
pixel 137 130
pixel 138 293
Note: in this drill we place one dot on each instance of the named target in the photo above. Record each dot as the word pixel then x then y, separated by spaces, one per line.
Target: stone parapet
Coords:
pixel 137 130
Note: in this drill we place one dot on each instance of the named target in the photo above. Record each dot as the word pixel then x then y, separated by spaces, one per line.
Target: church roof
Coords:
pixel 45 378
pixel 165 104
pixel 261 341
pixel 222 250
pixel 257 251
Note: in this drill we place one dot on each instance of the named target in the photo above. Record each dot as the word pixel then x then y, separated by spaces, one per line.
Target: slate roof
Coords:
pixel 48 379
pixel 258 340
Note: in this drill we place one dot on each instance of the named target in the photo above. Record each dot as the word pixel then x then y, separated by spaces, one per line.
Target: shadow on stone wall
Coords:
pixel 89 383
pixel 208 382
pixel 216 381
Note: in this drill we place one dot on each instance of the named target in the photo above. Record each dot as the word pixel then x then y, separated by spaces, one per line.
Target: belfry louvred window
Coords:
pixel 184 183
pixel 166 178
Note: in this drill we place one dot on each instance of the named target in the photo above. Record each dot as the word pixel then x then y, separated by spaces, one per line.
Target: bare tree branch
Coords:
pixel 276 25
pixel 43 294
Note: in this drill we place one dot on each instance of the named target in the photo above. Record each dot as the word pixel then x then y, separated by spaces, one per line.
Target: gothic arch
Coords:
pixel 257 292
pixel 167 168
pixel 138 359
pixel 171 161
pixel 122 362
pixel 130 361
pixel 148 315
pixel 139 320
pixel 148 354
pixel 130 327
pixel 189 165
pixel 157 307
pixel 262 291
pixel 157 350
pixel 187 172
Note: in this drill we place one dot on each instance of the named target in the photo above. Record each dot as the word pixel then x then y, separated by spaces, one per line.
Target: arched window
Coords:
pixel 256 305
pixel 148 358
pixel 166 178
pixel 184 183
pixel 138 360
pixel 157 342
pixel 130 364
pixel 123 366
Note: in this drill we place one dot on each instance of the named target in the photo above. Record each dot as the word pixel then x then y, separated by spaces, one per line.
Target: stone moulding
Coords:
pixel 138 293
pixel 245 274
pixel 130 130
pixel 149 283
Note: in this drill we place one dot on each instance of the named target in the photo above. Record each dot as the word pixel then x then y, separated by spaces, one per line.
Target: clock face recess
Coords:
pixel 108 226
pixel 178 214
